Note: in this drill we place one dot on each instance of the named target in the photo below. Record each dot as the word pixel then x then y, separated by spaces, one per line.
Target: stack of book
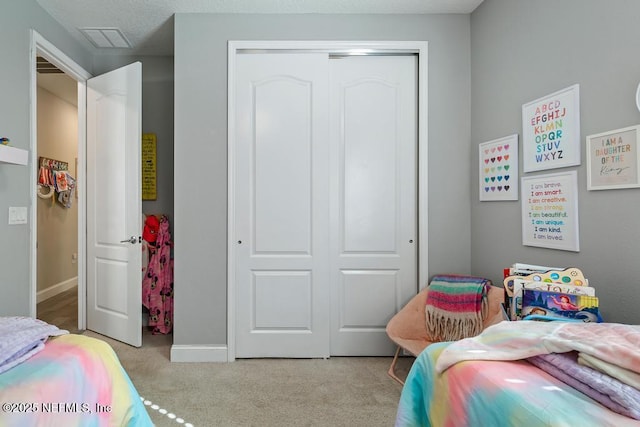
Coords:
pixel 548 293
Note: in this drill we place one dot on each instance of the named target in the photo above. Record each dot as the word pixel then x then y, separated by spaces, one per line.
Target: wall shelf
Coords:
pixel 13 155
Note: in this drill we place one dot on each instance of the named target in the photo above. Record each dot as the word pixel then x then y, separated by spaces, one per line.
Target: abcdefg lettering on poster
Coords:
pixel 551 131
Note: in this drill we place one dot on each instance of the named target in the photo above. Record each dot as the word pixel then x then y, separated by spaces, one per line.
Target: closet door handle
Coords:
pixel 133 240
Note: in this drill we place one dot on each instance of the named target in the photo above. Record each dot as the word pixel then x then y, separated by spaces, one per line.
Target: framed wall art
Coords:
pixel 550 211
pixel 613 158
pixel 499 169
pixel 551 131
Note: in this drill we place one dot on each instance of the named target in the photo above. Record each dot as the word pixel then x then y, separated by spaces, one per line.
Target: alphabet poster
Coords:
pixel 499 169
pixel 613 158
pixel 551 131
pixel 550 211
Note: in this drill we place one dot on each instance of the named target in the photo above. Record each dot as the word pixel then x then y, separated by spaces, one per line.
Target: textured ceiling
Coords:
pixel 148 24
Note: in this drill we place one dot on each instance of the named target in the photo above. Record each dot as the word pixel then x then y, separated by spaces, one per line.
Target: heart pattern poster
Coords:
pixel 499 169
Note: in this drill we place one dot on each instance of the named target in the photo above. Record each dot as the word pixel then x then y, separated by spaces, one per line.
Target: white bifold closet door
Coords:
pixel 325 202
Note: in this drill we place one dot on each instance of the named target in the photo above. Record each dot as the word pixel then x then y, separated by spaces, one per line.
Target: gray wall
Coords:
pixel 201 144
pixel 16 19
pixel 522 50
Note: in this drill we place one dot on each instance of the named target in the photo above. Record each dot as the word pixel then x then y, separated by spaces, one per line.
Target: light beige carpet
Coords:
pixel 340 391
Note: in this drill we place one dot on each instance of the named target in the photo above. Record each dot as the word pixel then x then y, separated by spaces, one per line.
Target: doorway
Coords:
pixel 111 94
pixel 74 76
pixel 247 318
pixel 57 202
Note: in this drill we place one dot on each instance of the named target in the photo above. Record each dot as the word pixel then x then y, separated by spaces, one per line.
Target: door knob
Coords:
pixel 132 240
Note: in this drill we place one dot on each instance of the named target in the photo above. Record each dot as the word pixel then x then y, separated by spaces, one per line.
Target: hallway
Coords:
pixel 61 310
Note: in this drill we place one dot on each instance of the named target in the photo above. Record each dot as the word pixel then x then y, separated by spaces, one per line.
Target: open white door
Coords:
pixel 114 206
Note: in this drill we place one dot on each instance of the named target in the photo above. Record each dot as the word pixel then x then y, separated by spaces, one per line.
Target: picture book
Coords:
pixel 565 278
pixel 519 285
pixel 560 306
pixel 560 287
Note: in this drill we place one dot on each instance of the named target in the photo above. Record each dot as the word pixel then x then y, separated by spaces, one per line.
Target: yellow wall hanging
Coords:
pixel 149 178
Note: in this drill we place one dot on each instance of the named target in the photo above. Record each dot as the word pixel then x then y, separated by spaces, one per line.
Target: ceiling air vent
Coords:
pixel 106 37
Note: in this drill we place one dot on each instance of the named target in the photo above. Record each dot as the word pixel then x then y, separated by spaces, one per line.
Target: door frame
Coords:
pixel 42 47
pixel 333 47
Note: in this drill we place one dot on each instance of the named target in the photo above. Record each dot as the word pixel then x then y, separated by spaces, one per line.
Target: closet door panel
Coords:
pixel 282 165
pixel 369 167
pixel 373 128
pixel 281 200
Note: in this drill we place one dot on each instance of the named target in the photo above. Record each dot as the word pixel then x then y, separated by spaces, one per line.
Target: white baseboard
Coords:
pixel 56 289
pixel 198 353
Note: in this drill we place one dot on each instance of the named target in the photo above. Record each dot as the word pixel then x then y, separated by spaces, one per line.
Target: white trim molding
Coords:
pixel 56 289
pixel 198 353
pixel 42 47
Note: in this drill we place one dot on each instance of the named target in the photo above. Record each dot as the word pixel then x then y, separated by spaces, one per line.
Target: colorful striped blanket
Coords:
pixel 455 307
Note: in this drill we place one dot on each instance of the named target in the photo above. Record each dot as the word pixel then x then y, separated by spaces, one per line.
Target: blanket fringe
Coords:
pixel 441 326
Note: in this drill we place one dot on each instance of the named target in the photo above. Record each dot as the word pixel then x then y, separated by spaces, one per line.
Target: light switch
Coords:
pixel 17 215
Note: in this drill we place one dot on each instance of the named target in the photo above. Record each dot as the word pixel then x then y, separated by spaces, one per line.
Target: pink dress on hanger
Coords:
pixel 157 283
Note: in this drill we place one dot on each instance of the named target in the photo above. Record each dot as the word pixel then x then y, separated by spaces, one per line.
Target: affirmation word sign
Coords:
pixel 499 169
pixel 149 171
pixel 613 158
pixel 551 131
pixel 550 211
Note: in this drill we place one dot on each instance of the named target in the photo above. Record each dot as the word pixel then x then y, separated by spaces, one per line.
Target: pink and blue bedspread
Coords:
pixel 74 381
pixel 483 381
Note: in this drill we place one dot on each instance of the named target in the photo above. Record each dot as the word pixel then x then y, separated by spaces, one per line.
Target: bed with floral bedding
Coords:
pixel 49 377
